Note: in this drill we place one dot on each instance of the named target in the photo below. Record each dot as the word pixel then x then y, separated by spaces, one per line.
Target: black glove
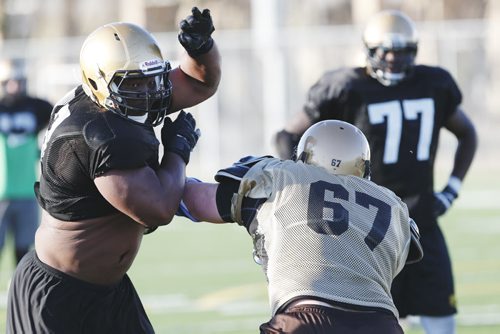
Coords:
pixel 180 136
pixel 443 200
pixel 195 32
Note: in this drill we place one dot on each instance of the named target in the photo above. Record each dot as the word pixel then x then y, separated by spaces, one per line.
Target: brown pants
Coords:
pixel 313 319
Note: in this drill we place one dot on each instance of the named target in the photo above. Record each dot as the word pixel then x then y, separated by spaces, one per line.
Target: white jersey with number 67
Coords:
pixel 342 238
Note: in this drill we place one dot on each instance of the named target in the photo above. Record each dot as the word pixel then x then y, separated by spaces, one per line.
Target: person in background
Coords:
pixel 401 107
pixel 330 241
pixel 22 119
pixel 102 186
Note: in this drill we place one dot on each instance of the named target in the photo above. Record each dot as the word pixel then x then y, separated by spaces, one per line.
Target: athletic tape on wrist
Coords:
pixel 455 183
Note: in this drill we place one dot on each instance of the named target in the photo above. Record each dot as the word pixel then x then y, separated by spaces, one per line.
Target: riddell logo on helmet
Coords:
pixel 151 65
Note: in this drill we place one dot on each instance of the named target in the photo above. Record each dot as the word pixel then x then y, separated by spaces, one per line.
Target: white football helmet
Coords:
pixel 390 31
pixel 337 146
pixel 114 59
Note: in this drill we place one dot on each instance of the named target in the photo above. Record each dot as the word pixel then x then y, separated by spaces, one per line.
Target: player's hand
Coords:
pixel 196 30
pixel 443 200
pixel 180 136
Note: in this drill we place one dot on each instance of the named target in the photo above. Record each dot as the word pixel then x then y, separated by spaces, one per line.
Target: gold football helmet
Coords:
pixel 339 147
pixel 124 71
pixel 390 31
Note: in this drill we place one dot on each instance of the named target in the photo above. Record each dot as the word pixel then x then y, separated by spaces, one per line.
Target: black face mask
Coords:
pixel 152 99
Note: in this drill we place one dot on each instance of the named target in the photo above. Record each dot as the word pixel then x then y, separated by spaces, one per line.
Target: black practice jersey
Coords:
pixel 82 142
pixel 23 115
pixel 401 123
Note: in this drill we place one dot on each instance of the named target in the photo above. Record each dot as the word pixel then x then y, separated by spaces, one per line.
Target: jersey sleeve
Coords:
pixel 453 93
pixel 255 188
pixel 226 191
pixel 113 150
pixel 118 153
pixel 324 96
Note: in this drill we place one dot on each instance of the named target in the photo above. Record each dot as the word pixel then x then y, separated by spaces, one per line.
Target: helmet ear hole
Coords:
pixel 93 83
pixel 371 51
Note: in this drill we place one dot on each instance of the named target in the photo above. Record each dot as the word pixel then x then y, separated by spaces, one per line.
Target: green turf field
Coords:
pixel 201 279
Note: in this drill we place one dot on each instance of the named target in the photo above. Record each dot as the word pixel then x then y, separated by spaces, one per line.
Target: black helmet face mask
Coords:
pixel 392 65
pixel 141 95
pixel 390 40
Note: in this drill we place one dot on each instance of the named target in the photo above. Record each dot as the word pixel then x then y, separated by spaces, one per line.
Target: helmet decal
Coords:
pixel 152 66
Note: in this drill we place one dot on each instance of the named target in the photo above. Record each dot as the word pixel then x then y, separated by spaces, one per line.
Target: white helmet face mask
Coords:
pixel 391 41
pixel 123 71
pixel 337 146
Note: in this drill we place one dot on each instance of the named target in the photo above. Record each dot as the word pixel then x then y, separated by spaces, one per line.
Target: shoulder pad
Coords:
pixel 97 132
pixel 238 169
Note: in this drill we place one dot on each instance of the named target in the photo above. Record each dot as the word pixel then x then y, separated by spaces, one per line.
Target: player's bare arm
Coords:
pixel 200 200
pixel 143 195
pixel 199 72
pixel 463 129
pixel 461 126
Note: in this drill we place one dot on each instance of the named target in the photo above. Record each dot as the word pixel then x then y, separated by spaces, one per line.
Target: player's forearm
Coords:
pixel 172 173
pixel 464 155
pixel 200 199
pixel 205 69
pixel 462 127
pixel 466 135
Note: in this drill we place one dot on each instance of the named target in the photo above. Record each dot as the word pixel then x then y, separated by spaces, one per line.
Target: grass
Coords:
pixel 200 278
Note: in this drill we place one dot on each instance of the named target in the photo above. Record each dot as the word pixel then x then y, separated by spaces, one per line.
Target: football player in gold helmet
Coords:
pixel 102 184
pixel 390 39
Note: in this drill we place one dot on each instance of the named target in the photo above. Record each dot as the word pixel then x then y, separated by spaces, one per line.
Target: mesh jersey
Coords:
pixel 401 123
pixel 81 143
pixel 21 119
pixel 342 238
